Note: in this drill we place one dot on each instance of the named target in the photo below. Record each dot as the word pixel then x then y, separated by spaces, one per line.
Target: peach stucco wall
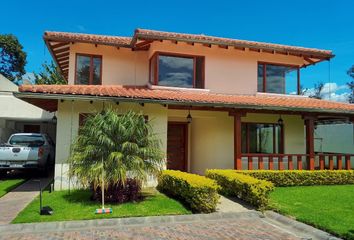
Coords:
pixel 119 66
pixel 228 71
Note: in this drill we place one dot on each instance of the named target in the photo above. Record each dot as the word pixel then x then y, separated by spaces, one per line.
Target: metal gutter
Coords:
pixel 24 95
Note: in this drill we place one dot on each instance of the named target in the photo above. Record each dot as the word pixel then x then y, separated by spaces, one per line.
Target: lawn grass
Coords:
pixel 7 185
pixel 330 208
pixel 77 206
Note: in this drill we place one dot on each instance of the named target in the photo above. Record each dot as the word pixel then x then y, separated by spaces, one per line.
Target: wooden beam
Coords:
pixel 310 143
pixel 309 60
pixel 142 44
pixel 63 58
pixel 190 43
pixel 237 142
pixel 61 50
pixel 207 45
pixel 62 55
pixel 63 62
pixel 223 46
pixel 58 45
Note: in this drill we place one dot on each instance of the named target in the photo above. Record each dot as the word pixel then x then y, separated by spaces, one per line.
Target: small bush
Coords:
pixel 119 193
pixel 198 192
pixel 247 188
pixel 303 177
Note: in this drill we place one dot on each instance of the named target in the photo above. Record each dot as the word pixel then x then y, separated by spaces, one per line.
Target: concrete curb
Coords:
pixel 304 229
pixel 121 222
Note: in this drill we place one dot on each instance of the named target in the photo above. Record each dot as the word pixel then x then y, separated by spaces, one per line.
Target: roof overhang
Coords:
pixel 59 44
pixel 49 102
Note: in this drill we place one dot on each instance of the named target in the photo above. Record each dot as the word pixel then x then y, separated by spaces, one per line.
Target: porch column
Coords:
pixel 310 143
pixel 237 141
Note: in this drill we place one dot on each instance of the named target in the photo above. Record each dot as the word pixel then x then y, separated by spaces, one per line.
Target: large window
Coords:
pixel 177 70
pixel 278 78
pixel 88 69
pixel 262 138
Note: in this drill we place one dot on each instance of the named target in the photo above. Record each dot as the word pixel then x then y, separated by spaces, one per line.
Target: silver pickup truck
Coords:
pixel 27 151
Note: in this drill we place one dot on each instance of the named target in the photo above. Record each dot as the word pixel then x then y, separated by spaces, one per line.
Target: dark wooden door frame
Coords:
pixel 186 136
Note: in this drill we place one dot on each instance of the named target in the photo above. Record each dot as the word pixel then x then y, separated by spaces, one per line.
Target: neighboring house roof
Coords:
pixel 59 44
pixel 178 97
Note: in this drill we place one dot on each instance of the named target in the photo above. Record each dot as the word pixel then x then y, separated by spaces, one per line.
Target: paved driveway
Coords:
pixel 213 226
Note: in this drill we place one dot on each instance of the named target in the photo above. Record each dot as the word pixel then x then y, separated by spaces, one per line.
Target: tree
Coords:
pixel 351 84
pixel 123 145
pixel 317 91
pixel 12 57
pixel 49 75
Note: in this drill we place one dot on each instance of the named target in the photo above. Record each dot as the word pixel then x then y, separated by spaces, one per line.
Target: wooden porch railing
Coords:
pixel 323 161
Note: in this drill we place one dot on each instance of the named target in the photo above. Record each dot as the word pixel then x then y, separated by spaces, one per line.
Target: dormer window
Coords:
pixel 88 69
pixel 274 78
pixel 177 70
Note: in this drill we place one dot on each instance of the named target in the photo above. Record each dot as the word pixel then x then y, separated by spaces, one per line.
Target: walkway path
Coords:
pixel 241 225
pixel 16 200
pixel 232 205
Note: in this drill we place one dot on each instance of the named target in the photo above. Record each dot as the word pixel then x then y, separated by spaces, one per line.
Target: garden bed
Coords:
pixel 77 206
pixel 330 208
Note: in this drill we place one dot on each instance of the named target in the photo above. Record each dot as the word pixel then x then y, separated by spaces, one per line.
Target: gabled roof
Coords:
pixel 59 44
pixel 187 98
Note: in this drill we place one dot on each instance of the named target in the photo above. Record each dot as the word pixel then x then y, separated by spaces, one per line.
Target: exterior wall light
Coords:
pixel 280 121
pixel 189 116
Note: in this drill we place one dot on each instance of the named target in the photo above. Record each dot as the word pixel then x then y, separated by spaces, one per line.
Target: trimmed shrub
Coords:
pixel 303 177
pixel 198 192
pixel 119 193
pixel 247 188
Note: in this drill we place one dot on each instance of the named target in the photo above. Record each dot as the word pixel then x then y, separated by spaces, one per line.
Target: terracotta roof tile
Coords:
pixel 292 103
pixel 89 38
pixel 226 41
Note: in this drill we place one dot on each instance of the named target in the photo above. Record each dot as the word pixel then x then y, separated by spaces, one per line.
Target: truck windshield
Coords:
pixel 27 140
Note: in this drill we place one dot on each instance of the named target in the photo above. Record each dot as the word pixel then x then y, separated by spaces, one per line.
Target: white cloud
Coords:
pixel 177 63
pixel 332 91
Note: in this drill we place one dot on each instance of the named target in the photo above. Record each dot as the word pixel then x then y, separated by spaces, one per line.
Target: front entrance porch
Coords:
pixel 234 139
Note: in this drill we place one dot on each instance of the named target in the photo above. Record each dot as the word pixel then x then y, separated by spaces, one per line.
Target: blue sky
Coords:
pixel 321 24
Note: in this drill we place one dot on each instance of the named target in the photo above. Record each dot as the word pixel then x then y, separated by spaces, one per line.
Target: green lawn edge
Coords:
pixel 9 184
pixel 78 206
pixel 326 207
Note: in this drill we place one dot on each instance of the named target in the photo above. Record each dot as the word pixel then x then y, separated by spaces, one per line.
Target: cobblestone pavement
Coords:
pixel 243 227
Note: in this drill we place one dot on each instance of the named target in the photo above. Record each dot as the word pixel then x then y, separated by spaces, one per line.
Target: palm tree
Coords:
pixel 123 145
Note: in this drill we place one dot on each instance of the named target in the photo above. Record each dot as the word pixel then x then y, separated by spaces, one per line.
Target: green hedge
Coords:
pixel 247 188
pixel 302 177
pixel 198 192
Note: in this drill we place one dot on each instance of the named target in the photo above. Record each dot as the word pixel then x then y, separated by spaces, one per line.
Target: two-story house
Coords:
pixel 214 102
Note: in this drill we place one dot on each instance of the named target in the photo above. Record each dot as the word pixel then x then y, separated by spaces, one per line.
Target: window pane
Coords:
pixel 261 138
pixel 82 69
pixel 244 138
pixel 176 71
pixel 265 138
pixel 96 71
pixel 152 69
pixel 278 77
pixel 260 77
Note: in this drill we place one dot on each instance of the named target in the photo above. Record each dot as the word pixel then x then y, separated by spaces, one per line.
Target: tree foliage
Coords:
pixel 50 74
pixel 351 84
pixel 126 145
pixel 317 91
pixel 12 57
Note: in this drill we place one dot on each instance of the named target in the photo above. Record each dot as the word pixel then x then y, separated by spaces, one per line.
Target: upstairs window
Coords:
pixel 177 70
pixel 281 79
pixel 88 69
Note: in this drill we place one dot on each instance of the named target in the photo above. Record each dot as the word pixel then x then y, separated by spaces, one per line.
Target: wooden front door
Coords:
pixel 177 146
